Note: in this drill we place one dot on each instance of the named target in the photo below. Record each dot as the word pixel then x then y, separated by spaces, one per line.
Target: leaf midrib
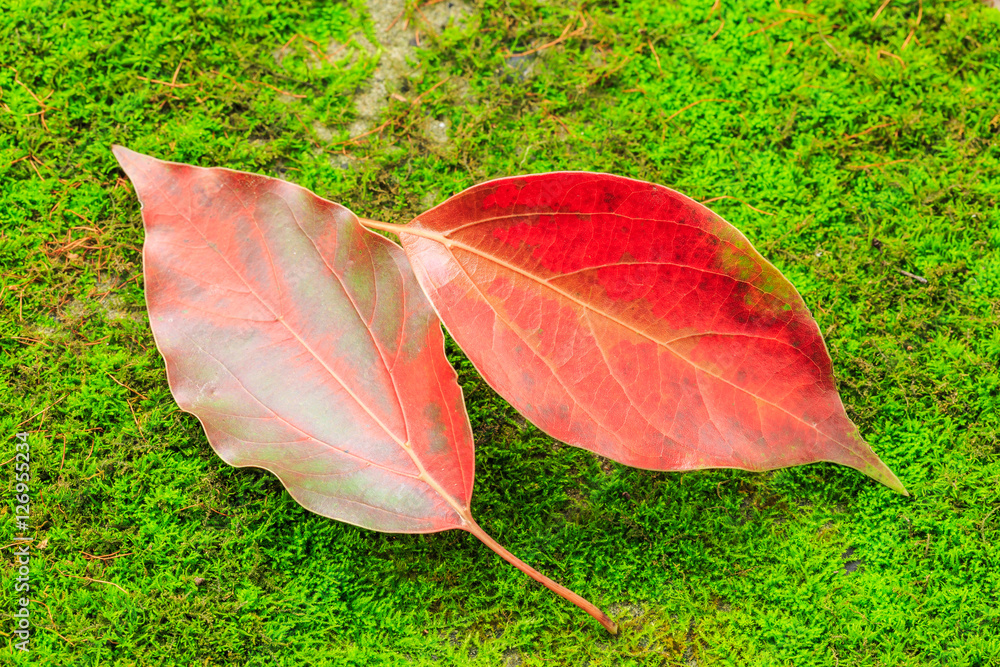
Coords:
pixel 448 243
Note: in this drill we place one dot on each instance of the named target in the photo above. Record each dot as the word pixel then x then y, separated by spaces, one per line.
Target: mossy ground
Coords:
pixel 855 153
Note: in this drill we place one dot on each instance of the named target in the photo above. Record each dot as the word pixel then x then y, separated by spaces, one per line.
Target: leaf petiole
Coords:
pixel 476 530
pixel 558 589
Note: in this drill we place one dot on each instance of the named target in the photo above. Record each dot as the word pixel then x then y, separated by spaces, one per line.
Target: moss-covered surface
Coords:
pixel 855 153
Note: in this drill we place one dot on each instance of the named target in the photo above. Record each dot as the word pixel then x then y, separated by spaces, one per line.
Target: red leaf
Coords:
pixel 304 345
pixel 292 353
pixel 625 318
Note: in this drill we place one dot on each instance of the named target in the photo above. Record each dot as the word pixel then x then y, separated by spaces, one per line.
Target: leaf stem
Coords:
pixel 558 589
pixel 476 530
pixel 381 226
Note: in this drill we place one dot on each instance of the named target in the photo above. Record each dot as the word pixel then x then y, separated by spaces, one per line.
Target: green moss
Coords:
pixel 851 162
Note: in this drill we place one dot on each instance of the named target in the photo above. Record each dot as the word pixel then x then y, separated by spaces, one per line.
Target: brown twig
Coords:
pixel 859 167
pixel 40 101
pixel 919 279
pixel 883 52
pixel 276 89
pixel 310 40
pixel 168 84
pixel 99 581
pixel 722 24
pixel 121 384
pixel 920 15
pixel 62 458
pixel 93 228
pixel 135 418
pixel 95 342
pixel 107 557
pixel 91 452
pixel 177 71
pixel 801 13
pixel 707 201
pixel 833 48
pixel 330 56
pixel 864 132
pixel 41 411
pixel 566 34
pixel 607 72
pixel 655 55
pixel 551 116
pixel 416 101
pixel 206 507
pixel 287 43
pixel 885 4
pixel 31 164
pixel 683 109
pixel 53 621
pixel 771 25
pixel 41 163
pixel 217 72
pixel 398 16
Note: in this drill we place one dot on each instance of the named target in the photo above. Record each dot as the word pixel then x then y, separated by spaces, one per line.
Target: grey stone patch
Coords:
pixel 335 51
pixel 369 105
pixel 45 332
pixel 394 44
pixel 345 162
pixel 283 51
pixel 443 14
pixel 625 611
pixel 392 66
pixel 512 658
pixel 459 87
pixel 522 67
pixel 323 133
pixel 361 39
pixel 436 131
pixel 110 305
pixel 430 199
pixel 689 659
pixel 113 310
pixel 597 58
pixel 851 566
pixel 396 47
pixel 279 55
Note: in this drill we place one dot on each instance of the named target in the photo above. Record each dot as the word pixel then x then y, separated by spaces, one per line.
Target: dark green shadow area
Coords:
pixel 860 156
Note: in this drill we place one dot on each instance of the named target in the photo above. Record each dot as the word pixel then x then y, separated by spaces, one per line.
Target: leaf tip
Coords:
pixel 880 472
pixel 127 159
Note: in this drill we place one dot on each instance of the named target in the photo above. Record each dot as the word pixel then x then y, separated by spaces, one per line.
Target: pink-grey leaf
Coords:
pixel 294 334
pixel 625 318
